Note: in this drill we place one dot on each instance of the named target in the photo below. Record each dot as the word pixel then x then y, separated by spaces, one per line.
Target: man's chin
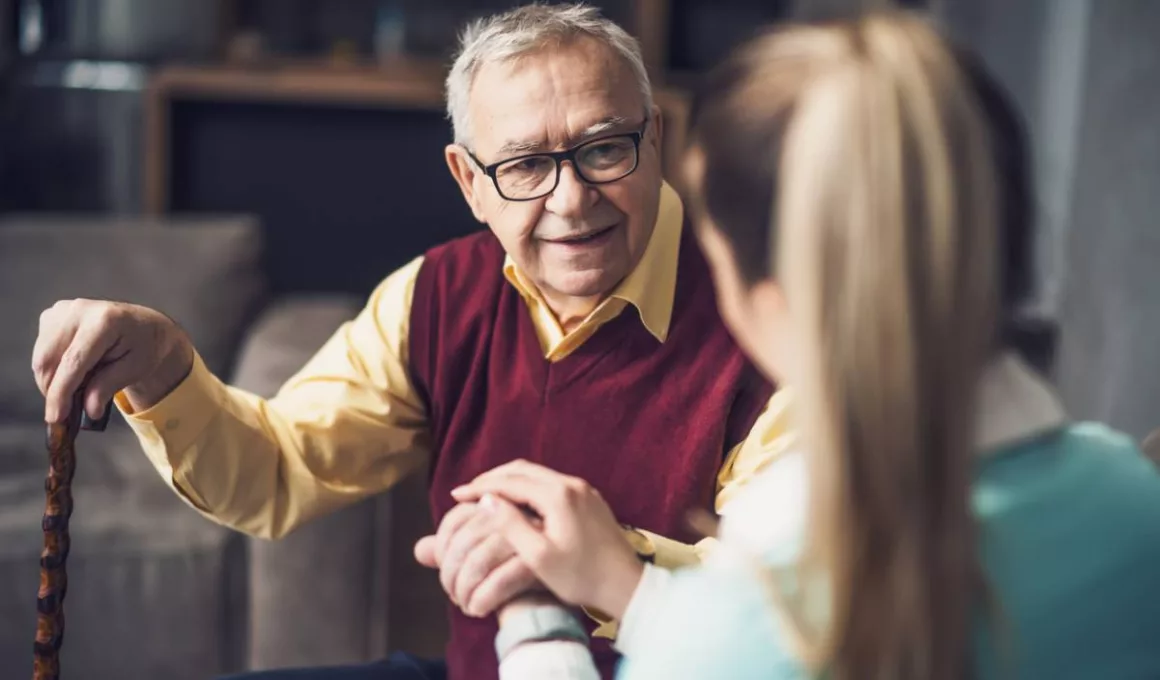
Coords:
pixel 586 284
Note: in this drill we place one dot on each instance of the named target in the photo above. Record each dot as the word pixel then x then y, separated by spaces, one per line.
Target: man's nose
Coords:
pixel 571 196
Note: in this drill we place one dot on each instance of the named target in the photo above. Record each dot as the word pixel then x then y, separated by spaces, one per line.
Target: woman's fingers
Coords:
pixel 521 467
pixel 516 468
pixel 473 491
pixel 530 543
pixel 542 496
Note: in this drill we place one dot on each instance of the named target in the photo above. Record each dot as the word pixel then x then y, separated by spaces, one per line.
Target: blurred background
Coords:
pixel 255 167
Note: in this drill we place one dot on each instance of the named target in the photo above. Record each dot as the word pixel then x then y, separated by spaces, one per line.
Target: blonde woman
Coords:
pixel 942 519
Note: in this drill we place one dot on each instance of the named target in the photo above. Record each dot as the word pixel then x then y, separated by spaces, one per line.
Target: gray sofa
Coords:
pixel 155 590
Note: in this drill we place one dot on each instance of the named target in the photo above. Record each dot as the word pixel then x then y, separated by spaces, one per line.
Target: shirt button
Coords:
pixel 172 424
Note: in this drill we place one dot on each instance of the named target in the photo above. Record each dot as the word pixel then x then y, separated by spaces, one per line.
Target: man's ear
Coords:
pixel 658 127
pixel 464 170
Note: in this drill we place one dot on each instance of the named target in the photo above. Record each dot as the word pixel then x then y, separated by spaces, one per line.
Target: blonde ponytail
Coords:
pixel 885 246
pixel 887 252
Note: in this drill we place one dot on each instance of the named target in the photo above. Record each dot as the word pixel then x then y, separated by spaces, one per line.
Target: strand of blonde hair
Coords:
pixel 885 249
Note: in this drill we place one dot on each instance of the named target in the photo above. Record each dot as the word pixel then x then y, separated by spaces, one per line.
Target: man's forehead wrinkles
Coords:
pixel 601 126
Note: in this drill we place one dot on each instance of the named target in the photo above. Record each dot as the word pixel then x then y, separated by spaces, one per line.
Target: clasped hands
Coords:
pixel 523 532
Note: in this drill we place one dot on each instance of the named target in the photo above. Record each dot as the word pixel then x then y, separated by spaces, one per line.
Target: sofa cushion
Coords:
pixel 204 273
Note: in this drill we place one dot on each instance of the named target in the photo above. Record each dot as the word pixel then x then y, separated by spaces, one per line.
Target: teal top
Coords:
pixel 1070 540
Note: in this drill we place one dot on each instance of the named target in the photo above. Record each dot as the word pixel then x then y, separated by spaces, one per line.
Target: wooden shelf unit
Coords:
pixel 404 83
pixel 408 84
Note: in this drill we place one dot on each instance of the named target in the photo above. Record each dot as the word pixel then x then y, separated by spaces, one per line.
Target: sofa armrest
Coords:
pixel 318 596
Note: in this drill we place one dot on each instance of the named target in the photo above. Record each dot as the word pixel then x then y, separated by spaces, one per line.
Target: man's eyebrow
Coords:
pixel 605 125
pixel 516 147
pixel 598 128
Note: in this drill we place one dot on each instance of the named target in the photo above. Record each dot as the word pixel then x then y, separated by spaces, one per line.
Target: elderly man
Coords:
pixel 579 332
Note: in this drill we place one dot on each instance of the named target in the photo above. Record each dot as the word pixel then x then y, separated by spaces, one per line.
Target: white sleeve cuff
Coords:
pixel 551 660
pixel 638 616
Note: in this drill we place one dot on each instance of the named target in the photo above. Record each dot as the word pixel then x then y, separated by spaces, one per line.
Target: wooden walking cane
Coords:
pixel 58 506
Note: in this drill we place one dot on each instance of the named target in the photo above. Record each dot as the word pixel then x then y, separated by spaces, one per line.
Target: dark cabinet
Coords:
pixel 70 140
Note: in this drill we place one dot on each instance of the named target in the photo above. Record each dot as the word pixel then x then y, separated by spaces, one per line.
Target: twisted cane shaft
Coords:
pixel 58 507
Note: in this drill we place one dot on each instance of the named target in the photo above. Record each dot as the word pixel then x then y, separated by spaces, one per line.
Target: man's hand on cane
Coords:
pixel 108 347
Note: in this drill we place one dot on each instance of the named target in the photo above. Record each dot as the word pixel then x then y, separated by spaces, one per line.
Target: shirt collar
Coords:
pixel 651 286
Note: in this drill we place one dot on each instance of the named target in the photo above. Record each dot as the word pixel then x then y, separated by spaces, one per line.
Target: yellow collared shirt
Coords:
pixel 349 424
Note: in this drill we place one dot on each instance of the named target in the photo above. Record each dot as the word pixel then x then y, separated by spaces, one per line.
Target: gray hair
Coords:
pixel 524 30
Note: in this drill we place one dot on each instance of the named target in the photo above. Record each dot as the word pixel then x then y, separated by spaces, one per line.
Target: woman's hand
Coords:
pixel 578 550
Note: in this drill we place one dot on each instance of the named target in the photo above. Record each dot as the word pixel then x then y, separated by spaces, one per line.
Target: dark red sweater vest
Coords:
pixel 647 423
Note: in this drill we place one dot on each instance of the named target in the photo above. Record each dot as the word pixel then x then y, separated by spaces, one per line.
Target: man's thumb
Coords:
pixel 425 552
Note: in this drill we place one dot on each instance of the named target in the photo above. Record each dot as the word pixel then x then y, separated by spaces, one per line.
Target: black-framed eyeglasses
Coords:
pixel 597 161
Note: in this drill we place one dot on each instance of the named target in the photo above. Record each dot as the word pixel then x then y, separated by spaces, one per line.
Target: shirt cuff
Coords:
pixel 645 599
pixel 552 660
pixel 671 554
pixel 653 549
pixel 169 429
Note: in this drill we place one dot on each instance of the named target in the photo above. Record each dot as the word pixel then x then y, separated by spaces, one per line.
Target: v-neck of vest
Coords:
pixel 555 376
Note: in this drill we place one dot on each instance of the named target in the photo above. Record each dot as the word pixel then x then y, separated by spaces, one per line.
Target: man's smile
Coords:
pixel 584 239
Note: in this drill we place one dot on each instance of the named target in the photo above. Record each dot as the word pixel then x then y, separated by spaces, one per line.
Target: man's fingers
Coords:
pixel 450 524
pixel 89 344
pixel 463 542
pixel 51 342
pixel 505 582
pixel 425 552
pixel 106 381
pixel 490 553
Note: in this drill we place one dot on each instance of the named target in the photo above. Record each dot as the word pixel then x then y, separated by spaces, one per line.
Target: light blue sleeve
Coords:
pixel 713 624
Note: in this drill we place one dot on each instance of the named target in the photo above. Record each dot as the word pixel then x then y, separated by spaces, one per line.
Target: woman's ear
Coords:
pixel 767 299
pixel 770 329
